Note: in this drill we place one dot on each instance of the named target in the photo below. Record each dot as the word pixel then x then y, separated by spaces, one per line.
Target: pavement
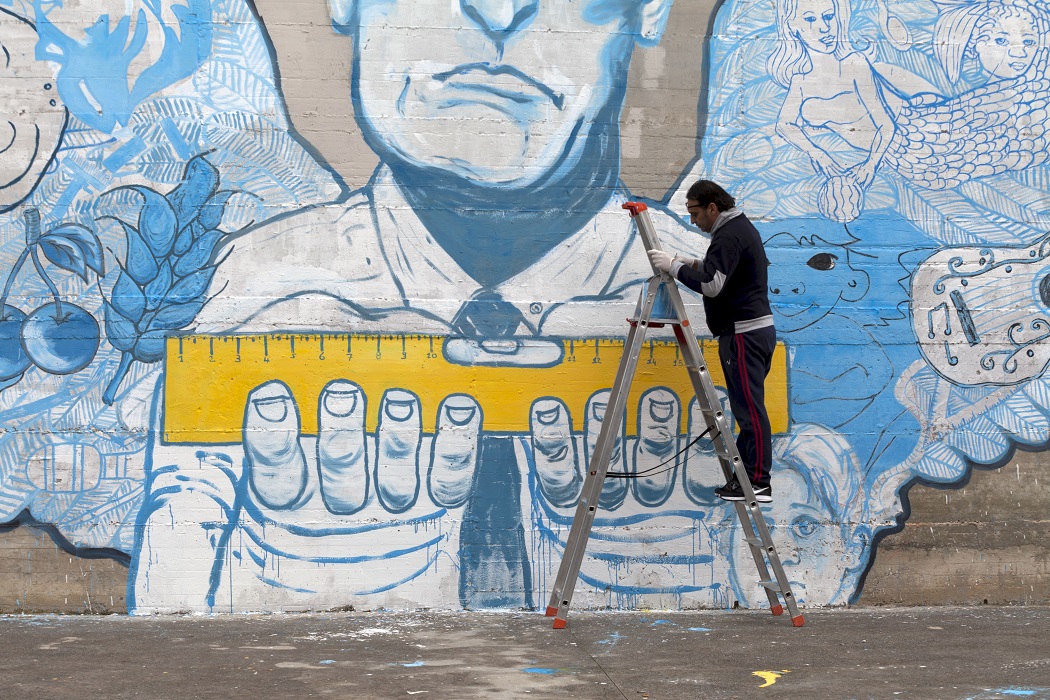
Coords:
pixel 928 653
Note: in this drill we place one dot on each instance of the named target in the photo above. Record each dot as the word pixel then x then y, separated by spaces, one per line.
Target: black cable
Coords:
pixel 651 470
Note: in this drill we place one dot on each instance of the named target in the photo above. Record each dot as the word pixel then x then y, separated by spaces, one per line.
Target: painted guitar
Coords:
pixel 982 315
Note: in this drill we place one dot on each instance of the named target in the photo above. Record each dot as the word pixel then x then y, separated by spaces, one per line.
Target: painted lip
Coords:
pixel 483 77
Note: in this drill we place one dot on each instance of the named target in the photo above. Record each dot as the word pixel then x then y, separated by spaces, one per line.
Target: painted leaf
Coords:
pixel 158 289
pixel 1021 419
pixel 120 332
pixel 139 261
pixel 127 299
pixel 157 222
pixel 65 254
pixel 191 287
pixel 1039 391
pixel 980 440
pixel 86 240
pixel 941 463
pixel 199 254
pixel 184 240
pixel 199 182
pixel 211 213
pixel 175 316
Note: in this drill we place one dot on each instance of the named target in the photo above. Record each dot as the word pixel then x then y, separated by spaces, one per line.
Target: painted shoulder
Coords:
pixel 306 269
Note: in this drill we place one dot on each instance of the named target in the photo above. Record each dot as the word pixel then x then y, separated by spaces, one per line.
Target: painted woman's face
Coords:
pixel 816 25
pixel 1006 48
pixel 812 546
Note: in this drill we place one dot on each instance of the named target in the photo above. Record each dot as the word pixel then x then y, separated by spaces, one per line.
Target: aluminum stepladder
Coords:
pixel 648 315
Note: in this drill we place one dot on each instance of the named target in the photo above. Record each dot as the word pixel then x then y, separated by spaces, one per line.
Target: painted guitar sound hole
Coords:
pixel 1044 290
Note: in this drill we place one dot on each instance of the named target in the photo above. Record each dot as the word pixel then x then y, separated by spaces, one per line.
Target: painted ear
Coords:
pixel 340 10
pixel 654 21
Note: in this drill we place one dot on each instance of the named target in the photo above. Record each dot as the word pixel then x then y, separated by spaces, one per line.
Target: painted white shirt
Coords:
pixel 368 264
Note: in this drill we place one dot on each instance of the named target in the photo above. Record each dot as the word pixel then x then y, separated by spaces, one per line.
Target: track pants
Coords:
pixel 746 359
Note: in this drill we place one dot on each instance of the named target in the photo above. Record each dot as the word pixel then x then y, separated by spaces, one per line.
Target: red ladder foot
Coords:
pixel 797 621
pixel 559 624
pixel 777 610
pixel 551 611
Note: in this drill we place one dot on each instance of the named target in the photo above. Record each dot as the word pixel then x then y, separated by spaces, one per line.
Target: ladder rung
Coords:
pixel 771 585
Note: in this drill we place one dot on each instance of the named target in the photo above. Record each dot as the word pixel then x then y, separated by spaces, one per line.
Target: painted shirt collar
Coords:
pixel 580 266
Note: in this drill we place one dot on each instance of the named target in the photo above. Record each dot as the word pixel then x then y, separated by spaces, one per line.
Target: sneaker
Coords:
pixel 733 492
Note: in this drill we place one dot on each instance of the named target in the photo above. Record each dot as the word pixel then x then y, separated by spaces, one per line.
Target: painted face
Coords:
pixel 35 117
pixel 816 25
pixel 813 548
pixel 1006 48
pixel 497 91
pixel 808 279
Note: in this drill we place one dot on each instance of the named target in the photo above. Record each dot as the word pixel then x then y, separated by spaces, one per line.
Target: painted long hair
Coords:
pixel 791 57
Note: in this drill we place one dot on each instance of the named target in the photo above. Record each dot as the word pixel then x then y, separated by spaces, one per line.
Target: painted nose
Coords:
pixel 500 19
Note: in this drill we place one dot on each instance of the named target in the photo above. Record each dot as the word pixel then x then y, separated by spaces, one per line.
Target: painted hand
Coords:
pixel 655 534
pixel 330 520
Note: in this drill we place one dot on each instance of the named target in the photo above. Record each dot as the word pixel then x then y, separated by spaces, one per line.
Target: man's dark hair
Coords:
pixel 704 192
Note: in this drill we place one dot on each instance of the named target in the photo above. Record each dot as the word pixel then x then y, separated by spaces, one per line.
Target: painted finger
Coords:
pixel 701 471
pixel 613 490
pixel 342 450
pixel 557 466
pixel 276 463
pixel 397 457
pixel 454 454
pixel 655 463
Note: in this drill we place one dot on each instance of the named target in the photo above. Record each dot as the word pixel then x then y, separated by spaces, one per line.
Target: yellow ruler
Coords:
pixel 207 379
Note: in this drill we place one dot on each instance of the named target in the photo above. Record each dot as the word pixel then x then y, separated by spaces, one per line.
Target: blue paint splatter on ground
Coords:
pixel 612 640
pixel 414 664
pixel 543 671
pixel 327 661
pixel 699 629
pixel 661 622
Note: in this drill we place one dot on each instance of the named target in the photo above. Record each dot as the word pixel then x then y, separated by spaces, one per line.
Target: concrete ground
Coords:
pixel 927 653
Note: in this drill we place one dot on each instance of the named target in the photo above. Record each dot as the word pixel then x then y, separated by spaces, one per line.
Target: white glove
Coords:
pixel 661 261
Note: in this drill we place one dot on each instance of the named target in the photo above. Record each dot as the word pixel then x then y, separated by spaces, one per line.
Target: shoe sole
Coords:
pixel 760 499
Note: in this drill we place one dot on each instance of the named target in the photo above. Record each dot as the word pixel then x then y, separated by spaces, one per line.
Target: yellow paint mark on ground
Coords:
pixel 770 677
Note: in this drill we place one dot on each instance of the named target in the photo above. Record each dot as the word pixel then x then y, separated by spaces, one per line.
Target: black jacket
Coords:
pixel 733 279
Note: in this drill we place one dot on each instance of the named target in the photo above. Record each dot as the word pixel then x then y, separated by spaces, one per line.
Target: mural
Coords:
pixel 266 391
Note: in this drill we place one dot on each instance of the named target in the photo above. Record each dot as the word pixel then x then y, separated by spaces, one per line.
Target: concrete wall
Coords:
pixel 300 337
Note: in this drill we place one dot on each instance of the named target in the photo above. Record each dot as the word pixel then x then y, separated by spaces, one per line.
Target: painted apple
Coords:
pixel 13 359
pixel 60 338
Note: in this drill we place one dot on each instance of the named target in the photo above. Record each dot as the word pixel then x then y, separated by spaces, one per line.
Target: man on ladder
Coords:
pixel 733 280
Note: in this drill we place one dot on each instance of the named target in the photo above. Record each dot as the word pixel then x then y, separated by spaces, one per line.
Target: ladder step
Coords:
pixel 771 585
